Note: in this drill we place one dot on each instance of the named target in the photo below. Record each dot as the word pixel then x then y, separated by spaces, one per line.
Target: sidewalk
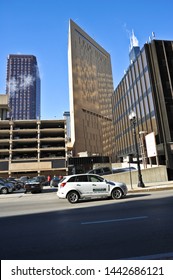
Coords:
pixel 157 186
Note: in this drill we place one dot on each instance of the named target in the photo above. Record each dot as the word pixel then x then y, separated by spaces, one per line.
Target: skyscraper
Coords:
pixel 23 87
pixel 66 116
pixel 147 89
pixel 91 89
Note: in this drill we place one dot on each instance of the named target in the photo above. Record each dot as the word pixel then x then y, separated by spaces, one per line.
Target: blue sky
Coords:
pixel 40 27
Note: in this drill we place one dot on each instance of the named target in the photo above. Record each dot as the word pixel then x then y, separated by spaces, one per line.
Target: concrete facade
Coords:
pixel 149 175
pixel 3 106
pixel 31 147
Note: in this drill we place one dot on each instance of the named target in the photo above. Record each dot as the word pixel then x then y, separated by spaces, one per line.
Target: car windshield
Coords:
pixel 23 178
pixel 32 180
pixel 3 180
pixel 37 179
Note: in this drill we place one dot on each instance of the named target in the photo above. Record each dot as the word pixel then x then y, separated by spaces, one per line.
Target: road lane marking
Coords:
pixel 115 220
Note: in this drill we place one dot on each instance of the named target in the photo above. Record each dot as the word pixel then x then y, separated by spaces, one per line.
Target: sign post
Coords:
pixel 150 141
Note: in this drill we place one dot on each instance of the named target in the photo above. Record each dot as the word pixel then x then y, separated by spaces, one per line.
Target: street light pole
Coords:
pixel 132 118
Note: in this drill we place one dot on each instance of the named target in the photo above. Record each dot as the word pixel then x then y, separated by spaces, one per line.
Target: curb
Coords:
pixel 150 189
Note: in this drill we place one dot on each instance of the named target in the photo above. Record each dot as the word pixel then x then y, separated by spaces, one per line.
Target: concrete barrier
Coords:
pixel 149 175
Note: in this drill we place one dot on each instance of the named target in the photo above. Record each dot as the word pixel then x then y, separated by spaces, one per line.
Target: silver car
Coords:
pixel 88 186
pixel 6 188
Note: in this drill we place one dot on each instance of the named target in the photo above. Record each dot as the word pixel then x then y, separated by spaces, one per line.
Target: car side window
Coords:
pixel 106 169
pixel 99 171
pixel 72 179
pixel 81 178
pixel 93 171
pixel 93 178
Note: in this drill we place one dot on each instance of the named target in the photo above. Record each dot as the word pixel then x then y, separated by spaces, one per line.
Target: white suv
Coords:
pixel 85 186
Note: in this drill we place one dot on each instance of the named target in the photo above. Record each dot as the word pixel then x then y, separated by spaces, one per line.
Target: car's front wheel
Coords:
pixel 4 190
pixel 73 197
pixel 117 194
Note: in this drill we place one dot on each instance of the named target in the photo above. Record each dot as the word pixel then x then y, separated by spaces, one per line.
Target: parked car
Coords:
pixel 100 171
pixel 33 185
pixel 24 179
pixel 5 187
pixel 17 185
pixel 82 186
pixel 55 181
pixel 123 169
pixel 4 181
pixel 42 179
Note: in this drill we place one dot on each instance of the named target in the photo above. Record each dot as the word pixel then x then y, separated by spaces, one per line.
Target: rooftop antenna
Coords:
pixel 153 35
pixel 133 41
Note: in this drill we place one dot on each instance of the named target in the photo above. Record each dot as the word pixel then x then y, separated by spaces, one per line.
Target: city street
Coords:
pixel 41 226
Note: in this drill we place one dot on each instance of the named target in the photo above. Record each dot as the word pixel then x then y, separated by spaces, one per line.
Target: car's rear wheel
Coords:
pixel 4 190
pixel 73 197
pixel 117 193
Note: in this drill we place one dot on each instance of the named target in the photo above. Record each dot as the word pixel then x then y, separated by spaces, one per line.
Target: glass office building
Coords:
pixel 23 87
pixel 147 89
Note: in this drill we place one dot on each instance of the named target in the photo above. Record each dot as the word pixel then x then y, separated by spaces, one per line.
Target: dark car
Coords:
pixel 42 179
pixel 123 169
pixel 100 171
pixel 17 185
pixel 5 182
pixel 33 185
pixel 23 179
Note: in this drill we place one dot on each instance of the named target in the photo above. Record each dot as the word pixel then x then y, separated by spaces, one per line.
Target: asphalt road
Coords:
pixel 40 226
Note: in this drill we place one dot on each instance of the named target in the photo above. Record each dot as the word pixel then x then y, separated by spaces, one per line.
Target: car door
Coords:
pixel 82 185
pixel 99 187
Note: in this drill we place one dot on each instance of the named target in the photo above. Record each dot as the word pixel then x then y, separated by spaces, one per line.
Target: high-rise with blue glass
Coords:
pixel 23 87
